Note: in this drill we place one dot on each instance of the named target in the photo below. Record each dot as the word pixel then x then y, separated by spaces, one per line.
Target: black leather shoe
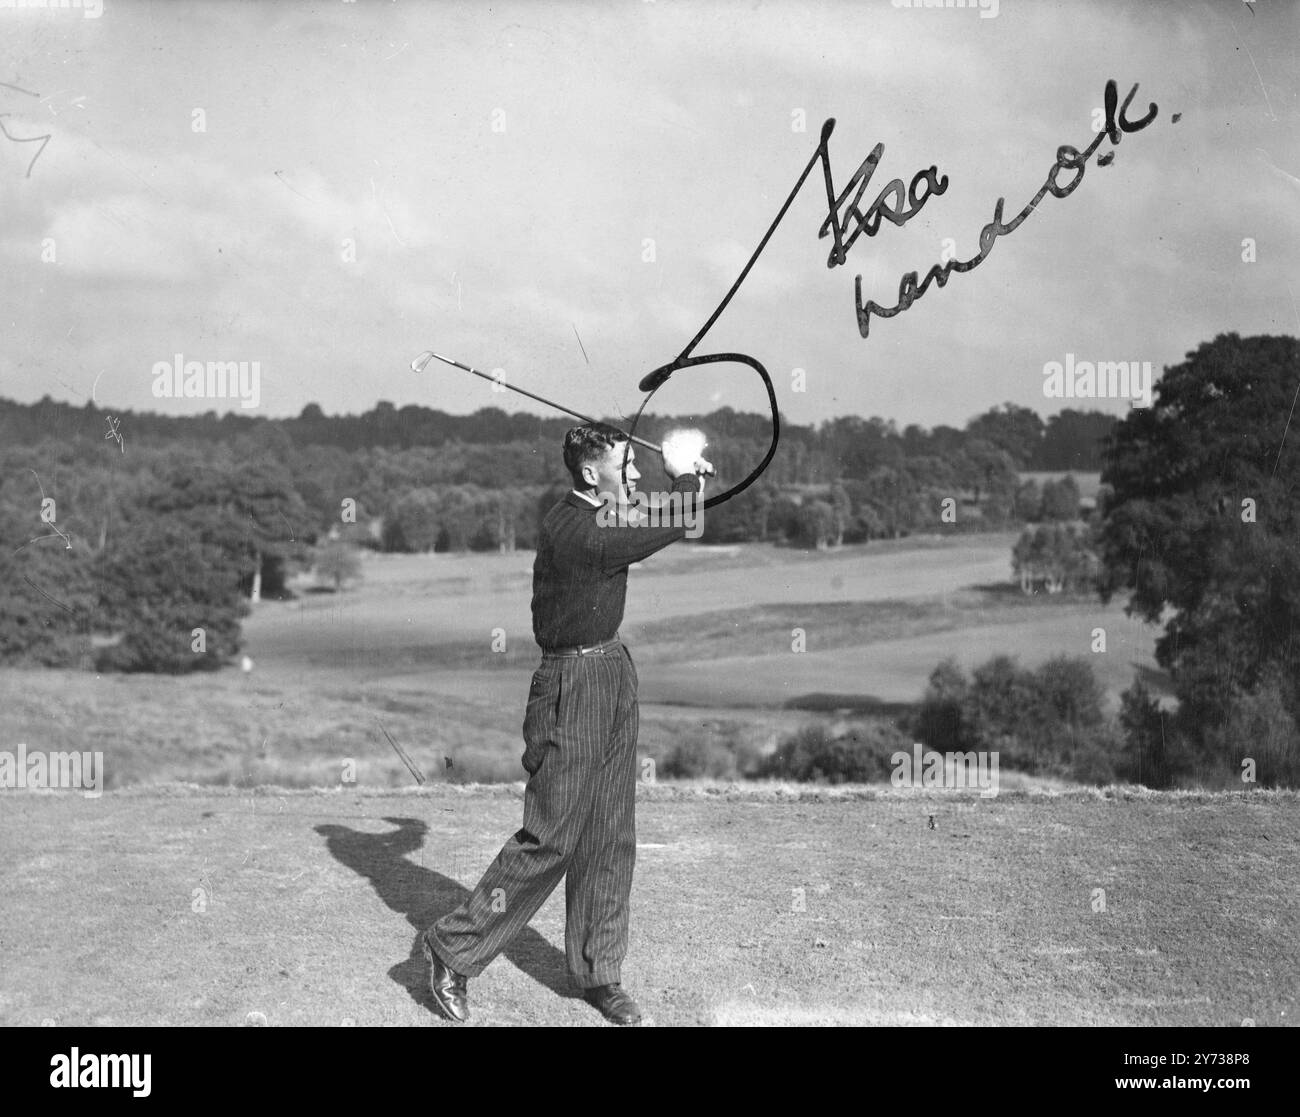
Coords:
pixel 614 1005
pixel 447 986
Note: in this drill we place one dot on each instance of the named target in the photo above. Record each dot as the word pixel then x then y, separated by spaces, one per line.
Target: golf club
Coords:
pixel 410 767
pixel 422 362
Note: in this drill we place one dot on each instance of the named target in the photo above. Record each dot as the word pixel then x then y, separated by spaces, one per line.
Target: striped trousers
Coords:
pixel 580 734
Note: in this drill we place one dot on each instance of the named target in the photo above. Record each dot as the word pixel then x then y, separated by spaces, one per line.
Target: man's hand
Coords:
pixel 682 453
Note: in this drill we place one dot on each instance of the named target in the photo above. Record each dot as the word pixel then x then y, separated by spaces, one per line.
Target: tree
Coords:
pixel 856 446
pixel 338 562
pixel 1029 502
pixel 941 721
pixel 1061 499
pixel 1260 731
pixel 732 522
pixel 1049 719
pixel 47 602
pixel 816 522
pixel 1075 440
pixel 758 508
pixel 1059 556
pixel 47 597
pixel 508 519
pixel 895 500
pixel 414 522
pixel 782 520
pixel 1068 692
pixel 1016 430
pixel 991 472
pixel 466 516
pixel 325 476
pixel 1063 716
pixel 1204 520
pixel 157 585
pixel 841 510
pixel 1000 695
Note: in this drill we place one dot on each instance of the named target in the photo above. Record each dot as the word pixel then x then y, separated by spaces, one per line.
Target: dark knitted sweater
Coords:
pixel 580 573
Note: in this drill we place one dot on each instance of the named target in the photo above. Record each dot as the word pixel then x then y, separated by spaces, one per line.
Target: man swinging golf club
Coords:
pixel 580 732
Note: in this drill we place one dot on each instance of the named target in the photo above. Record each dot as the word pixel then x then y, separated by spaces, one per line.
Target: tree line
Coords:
pixel 141 554
pixel 481 481
pixel 134 541
pixel 1198 529
pixel 848 446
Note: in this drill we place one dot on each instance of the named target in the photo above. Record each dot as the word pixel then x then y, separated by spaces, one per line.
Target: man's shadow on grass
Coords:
pixel 423 895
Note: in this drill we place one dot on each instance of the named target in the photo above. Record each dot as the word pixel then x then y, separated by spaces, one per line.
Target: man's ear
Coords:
pixel 589 475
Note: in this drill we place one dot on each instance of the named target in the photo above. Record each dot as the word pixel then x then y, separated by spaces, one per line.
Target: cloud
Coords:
pixel 626 122
pixel 124 237
pixel 173 217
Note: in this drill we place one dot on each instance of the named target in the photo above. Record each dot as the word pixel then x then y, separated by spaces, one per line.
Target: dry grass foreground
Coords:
pixel 756 905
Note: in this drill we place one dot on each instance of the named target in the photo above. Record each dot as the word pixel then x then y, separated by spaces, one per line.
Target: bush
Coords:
pixel 699 757
pixel 1259 728
pixel 1048 721
pixel 1094 757
pixel 812 755
pixel 46 603
pixel 716 750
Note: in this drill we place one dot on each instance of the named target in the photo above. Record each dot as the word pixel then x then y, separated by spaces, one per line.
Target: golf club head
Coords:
pixel 422 361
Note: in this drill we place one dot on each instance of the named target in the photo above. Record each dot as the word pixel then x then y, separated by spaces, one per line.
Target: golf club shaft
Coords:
pixel 540 399
pixel 419 776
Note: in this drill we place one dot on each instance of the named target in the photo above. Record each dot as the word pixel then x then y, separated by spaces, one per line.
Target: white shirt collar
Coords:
pixel 589 499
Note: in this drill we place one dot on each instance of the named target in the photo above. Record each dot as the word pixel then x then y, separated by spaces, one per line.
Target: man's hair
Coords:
pixel 588 444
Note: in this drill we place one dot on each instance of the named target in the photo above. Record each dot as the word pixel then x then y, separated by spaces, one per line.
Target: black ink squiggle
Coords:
pixel 1067 159
pixel 897 207
pixel 27 140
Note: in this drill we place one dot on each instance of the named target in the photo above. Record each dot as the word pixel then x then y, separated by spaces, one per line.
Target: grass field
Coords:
pixel 203 906
pixel 226 900
pixel 410 650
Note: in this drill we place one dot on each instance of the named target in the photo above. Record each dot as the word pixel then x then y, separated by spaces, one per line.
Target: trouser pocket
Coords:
pixel 542 715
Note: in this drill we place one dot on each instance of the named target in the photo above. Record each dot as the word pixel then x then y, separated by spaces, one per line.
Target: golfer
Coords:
pixel 580 733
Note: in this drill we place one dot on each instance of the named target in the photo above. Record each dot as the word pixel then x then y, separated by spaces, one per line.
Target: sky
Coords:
pixel 565 192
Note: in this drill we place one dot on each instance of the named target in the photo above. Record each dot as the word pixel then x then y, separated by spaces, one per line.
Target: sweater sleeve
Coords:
pixel 621 545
